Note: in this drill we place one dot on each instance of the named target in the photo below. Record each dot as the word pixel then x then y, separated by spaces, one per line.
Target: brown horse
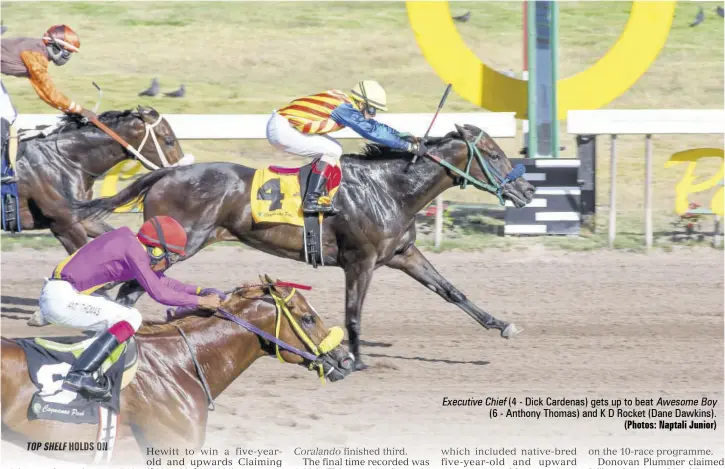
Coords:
pixel 379 196
pixel 60 167
pixel 165 406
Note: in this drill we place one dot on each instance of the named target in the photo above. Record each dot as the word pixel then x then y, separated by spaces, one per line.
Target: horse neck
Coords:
pixel 223 349
pixel 415 185
pixel 103 152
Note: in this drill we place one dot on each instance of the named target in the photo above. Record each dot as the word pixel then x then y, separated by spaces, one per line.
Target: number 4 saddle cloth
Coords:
pixel 277 193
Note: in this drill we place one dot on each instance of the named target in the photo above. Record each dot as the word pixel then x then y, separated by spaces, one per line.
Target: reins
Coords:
pixel 332 340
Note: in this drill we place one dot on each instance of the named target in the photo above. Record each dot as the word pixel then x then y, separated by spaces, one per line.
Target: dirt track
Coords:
pixel 596 324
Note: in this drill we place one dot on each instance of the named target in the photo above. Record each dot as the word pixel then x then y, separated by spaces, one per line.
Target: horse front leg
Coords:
pixel 357 281
pixel 414 263
pixel 71 235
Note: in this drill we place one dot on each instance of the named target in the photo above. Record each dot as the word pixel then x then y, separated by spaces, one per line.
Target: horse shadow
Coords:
pixel 17 301
pixel 431 360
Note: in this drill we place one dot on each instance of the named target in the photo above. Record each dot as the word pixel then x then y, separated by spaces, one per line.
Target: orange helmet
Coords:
pixel 63 36
pixel 163 232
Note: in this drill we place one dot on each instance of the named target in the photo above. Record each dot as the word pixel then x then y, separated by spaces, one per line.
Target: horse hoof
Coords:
pixel 359 365
pixel 510 331
pixel 37 320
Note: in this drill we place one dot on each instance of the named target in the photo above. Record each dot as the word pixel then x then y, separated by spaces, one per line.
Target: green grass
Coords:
pixel 251 57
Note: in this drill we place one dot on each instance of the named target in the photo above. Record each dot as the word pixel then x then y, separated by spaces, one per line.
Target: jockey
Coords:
pixel 301 127
pixel 29 58
pixel 117 256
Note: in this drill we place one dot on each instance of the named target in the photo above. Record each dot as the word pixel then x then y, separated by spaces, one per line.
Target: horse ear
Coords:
pixel 267 279
pixel 148 114
pixel 465 133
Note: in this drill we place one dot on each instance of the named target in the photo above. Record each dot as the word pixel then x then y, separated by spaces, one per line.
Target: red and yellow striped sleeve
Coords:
pixel 37 66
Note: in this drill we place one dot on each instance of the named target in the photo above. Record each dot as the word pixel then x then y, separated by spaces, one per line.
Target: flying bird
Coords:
pixel 699 18
pixel 153 90
pixel 720 11
pixel 464 17
pixel 178 93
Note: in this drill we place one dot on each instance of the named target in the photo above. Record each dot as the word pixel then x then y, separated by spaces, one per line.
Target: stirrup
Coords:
pixel 8 179
pixel 316 207
pixel 84 384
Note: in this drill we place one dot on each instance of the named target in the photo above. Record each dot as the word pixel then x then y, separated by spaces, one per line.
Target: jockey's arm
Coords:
pixel 37 66
pixel 178 286
pixel 369 129
pixel 160 290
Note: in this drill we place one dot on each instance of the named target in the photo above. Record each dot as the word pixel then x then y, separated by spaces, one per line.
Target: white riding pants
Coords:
pixel 283 136
pixel 61 304
pixel 7 110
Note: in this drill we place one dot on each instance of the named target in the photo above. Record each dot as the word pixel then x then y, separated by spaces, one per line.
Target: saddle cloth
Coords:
pixel 277 192
pixel 50 359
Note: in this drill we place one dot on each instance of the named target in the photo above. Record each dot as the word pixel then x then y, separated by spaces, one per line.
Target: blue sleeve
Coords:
pixel 370 129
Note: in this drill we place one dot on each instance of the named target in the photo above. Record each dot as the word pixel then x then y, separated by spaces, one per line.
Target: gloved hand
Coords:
pixel 418 147
pixel 213 291
pixel 209 302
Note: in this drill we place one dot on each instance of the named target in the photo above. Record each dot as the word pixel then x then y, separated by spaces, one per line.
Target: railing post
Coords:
pixel 613 191
pixel 648 191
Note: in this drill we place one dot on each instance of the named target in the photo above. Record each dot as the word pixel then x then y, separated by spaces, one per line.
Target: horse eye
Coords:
pixel 308 319
pixel 169 140
pixel 495 156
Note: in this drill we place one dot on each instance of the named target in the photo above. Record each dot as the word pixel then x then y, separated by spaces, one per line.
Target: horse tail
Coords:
pixel 102 207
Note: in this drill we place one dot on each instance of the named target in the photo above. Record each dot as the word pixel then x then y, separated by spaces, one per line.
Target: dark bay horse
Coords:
pixel 380 194
pixel 165 406
pixel 56 169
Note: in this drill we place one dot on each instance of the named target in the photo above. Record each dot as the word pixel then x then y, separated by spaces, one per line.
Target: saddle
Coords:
pixel 277 194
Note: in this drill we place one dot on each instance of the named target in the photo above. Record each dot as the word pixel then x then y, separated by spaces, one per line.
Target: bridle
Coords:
pixel 136 153
pixel 149 130
pixel 332 340
pixel 496 181
pixel 314 356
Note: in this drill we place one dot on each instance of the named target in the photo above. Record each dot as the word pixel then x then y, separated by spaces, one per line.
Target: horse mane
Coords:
pixel 378 152
pixel 152 327
pixel 76 121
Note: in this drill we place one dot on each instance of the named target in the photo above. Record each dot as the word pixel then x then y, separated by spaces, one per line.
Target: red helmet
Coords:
pixel 63 36
pixel 163 232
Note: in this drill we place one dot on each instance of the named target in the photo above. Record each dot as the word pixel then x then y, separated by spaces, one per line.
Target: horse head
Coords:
pixel 156 139
pixel 296 323
pixel 483 164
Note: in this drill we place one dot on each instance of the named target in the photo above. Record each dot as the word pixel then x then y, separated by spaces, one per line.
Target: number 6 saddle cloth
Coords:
pixel 277 193
pixel 50 359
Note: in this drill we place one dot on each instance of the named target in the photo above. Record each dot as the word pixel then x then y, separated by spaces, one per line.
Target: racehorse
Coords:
pixel 62 166
pixel 166 404
pixel 379 196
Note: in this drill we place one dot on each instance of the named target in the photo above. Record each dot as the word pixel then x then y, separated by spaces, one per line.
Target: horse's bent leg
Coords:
pixel 414 263
pixel 72 236
pixel 95 228
pixel 357 281
pixel 129 293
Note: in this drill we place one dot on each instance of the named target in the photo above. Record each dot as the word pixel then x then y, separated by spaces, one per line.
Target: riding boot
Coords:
pixel 316 190
pixel 80 377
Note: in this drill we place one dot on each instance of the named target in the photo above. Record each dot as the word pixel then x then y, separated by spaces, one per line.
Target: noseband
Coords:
pixel 137 152
pixel 496 181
